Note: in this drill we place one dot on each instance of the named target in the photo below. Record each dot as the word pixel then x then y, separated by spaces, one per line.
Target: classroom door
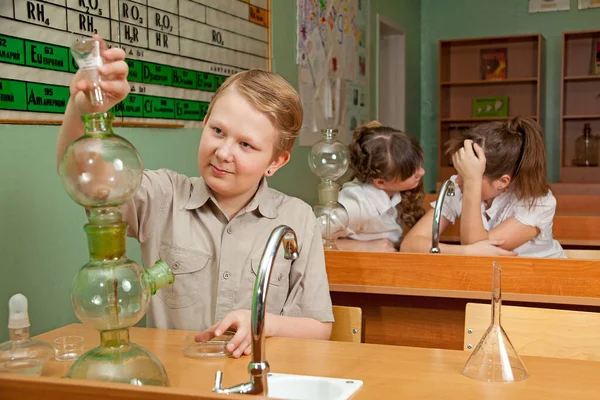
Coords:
pixel 391 74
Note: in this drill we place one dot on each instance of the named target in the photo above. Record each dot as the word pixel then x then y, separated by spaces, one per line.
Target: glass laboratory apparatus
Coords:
pixel 21 354
pixel 328 159
pixel 586 149
pixel 102 171
pixel 495 358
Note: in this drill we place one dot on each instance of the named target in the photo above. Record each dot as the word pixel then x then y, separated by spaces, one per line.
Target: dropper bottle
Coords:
pixel 21 354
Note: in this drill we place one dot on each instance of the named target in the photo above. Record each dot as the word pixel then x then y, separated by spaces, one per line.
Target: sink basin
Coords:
pixel 303 387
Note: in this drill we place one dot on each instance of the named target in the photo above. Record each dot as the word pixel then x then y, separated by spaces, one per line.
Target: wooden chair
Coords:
pixel 583 254
pixel 348 324
pixel 539 331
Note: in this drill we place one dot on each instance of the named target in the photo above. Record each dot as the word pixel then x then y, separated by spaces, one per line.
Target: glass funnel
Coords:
pixel 101 171
pixel 495 358
pixel 21 354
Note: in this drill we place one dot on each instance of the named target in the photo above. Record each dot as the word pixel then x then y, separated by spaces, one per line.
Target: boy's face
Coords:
pixel 237 147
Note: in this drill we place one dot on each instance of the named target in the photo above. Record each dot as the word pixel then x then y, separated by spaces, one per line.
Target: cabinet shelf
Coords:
pixel 580 104
pixel 490 82
pixel 582 78
pixel 582 116
pixel 481 119
pixel 460 82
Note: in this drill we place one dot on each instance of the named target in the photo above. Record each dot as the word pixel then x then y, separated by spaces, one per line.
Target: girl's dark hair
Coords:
pixel 378 151
pixel 514 148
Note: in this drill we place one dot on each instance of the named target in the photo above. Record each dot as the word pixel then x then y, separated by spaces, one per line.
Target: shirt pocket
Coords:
pixel 279 285
pixel 192 278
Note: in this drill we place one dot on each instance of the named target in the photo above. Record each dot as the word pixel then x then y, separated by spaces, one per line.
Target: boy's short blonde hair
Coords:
pixel 273 96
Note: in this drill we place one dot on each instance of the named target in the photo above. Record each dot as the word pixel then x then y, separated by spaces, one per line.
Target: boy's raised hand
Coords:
pixel 241 343
pixel 114 83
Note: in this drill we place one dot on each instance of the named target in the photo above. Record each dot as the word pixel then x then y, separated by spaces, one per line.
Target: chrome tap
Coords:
pixel 447 188
pixel 259 367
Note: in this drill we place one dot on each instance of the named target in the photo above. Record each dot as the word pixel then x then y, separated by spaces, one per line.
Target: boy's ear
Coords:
pixel 277 163
pixel 204 122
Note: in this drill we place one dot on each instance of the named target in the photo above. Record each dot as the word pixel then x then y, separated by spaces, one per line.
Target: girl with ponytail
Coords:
pixel 503 200
pixel 386 195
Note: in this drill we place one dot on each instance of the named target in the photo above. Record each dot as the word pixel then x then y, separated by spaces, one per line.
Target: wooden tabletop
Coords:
pixel 387 371
pixel 541 280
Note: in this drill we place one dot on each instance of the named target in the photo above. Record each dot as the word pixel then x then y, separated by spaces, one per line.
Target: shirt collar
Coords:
pixel 380 198
pixel 262 200
pixel 498 204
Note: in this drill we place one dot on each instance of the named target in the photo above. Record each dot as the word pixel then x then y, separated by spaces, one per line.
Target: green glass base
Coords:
pixel 127 363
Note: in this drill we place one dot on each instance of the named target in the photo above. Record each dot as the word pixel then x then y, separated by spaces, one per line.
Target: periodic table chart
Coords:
pixel 178 51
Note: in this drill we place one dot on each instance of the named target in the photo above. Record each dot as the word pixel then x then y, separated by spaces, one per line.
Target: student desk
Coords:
pixel 386 371
pixel 419 299
pixel 576 222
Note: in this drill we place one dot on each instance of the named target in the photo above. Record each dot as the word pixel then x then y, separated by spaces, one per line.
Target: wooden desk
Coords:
pixel 419 299
pixel 576 223
pixel 386 371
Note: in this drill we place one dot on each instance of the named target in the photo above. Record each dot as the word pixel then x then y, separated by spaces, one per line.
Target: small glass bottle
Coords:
pixel 21 354
pixel 586 149
pixel 87 54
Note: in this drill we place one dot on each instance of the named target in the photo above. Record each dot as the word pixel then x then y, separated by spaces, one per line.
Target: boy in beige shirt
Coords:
pixel 212 230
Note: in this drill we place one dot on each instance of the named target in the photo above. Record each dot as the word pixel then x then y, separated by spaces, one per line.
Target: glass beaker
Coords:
pixel 495 358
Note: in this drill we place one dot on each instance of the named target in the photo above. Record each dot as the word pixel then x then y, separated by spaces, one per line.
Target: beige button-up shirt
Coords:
pixel 214 259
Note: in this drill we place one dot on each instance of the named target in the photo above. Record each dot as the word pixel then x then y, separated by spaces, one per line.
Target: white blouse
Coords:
pixel 372 213
pixel 507 205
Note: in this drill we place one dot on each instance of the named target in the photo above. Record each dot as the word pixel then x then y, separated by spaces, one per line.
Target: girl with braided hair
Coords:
pixel 386 195
pixel 502 197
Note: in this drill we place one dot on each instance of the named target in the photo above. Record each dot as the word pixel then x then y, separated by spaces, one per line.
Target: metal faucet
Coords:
pixel 447 188
pixel 259 367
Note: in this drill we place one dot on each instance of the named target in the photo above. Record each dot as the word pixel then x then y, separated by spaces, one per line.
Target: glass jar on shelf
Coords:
pixel 586 149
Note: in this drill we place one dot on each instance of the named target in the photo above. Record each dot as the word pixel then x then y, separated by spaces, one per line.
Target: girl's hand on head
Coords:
pixel 469 161
pixel 488 248
pixel 241 343
pixel 113 83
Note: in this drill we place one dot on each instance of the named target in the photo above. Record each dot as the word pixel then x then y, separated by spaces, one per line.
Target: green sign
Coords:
pixel 12 50
pixel 203 109
pixel 184 78
pixel 159 107
pixel 189 110
pixel 219 79
pixel 47 98
pixel 132 106
pixel 73 67
pixel 135 70
pixel 157 74
pixel 12 95
pixel 46 56
pixel 206 81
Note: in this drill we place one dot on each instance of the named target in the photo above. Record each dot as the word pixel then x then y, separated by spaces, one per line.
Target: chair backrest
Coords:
pixel 539 331
pixel 348 324
pixel 583 254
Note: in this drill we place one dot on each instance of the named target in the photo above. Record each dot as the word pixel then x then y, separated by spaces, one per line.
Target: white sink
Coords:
pixel 303 387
